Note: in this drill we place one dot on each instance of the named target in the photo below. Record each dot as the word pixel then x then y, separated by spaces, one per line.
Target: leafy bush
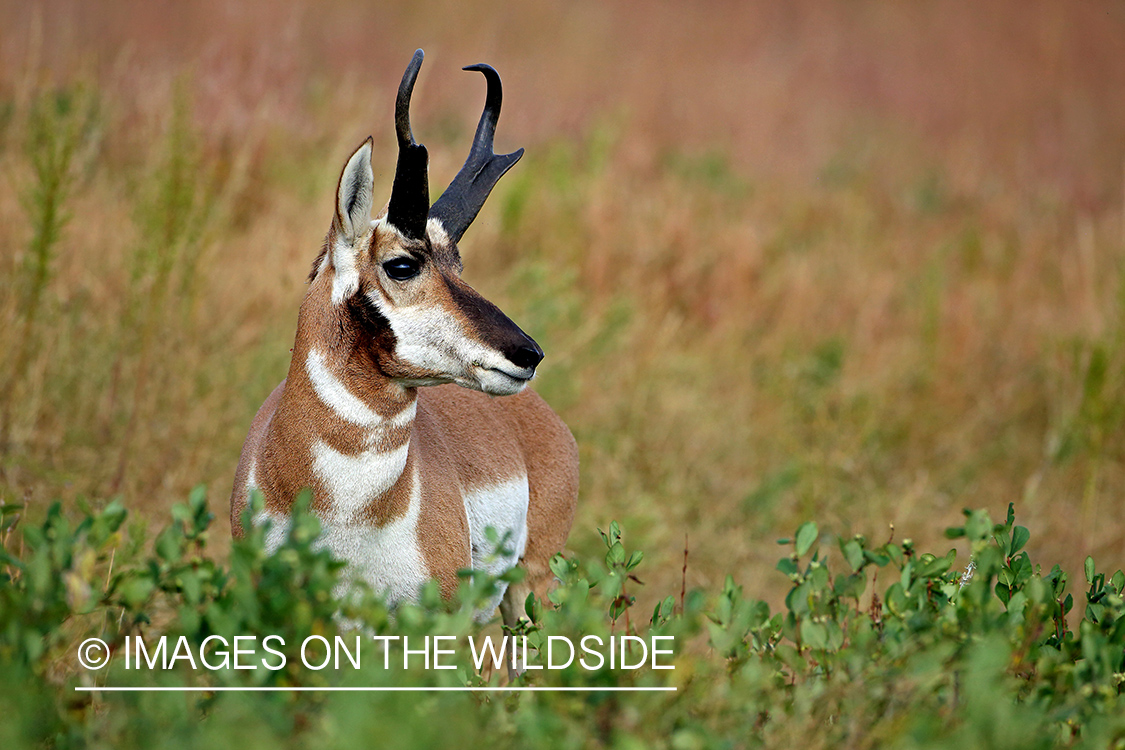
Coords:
pixel 878 645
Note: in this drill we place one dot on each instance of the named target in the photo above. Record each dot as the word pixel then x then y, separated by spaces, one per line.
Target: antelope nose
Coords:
pixel 527 355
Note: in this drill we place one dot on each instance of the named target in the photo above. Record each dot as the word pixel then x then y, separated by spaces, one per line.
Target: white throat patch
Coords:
pixel 346 405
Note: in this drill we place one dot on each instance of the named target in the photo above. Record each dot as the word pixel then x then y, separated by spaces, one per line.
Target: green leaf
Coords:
pixel 1089 569
pixel 191 586
pixel 135 590
pixel 851 586
pixel 814 634
pixel 787 566
pixel 616 554
pixel 878 558
pixel 8 517
pixel 978 526
pixel 935 566
pixel 197 499
pixel 512 575
pixel 806 537
pixel 1003 541
pixel 853 553
pixel 560 567
pixel 1020 535
pixel 169 544
pixel 790 657
pixel 798 599
pixel 663 610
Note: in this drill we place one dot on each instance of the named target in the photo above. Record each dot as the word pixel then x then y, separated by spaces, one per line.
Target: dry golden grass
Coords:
pixel 848 261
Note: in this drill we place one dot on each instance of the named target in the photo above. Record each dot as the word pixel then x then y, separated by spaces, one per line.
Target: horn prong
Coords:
pixel 463 199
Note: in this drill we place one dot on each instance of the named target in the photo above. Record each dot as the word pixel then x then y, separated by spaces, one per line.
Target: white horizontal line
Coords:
pixel 272 689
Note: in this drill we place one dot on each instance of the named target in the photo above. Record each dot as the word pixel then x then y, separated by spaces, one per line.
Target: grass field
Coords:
pixel 850 261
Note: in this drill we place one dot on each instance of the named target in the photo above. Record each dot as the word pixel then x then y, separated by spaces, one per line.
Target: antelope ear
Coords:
pixel 353 194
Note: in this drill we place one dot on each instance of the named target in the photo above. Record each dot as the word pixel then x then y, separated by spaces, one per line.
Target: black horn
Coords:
pixel 462 200
pixel 410 195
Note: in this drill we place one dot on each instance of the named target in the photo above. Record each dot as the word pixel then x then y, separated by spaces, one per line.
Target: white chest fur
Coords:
pixel 389 557
pixel 502 507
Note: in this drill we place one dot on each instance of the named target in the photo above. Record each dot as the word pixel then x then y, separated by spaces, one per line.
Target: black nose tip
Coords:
pixel 527 355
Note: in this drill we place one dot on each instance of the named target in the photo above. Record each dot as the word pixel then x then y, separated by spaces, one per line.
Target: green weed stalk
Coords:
pixel 58 123
pixel 173 212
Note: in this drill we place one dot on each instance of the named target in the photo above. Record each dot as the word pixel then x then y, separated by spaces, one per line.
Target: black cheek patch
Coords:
pixel 370 326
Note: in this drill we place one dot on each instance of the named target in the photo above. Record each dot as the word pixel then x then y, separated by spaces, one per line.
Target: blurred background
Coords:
pixel 855 262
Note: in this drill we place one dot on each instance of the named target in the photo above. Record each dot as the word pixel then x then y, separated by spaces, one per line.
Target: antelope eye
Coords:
pixel 401 269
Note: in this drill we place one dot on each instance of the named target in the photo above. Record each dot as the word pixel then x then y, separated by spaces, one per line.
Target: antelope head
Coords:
pixel 397 277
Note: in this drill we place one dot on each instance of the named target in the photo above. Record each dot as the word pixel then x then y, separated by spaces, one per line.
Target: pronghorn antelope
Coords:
pixel 406 478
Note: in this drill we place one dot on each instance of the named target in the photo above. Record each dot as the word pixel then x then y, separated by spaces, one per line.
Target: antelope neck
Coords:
pixel 363 420
pixel 371 402
pixel 332 354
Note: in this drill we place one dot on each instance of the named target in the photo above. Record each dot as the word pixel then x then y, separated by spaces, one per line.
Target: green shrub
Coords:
pixel 876 645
